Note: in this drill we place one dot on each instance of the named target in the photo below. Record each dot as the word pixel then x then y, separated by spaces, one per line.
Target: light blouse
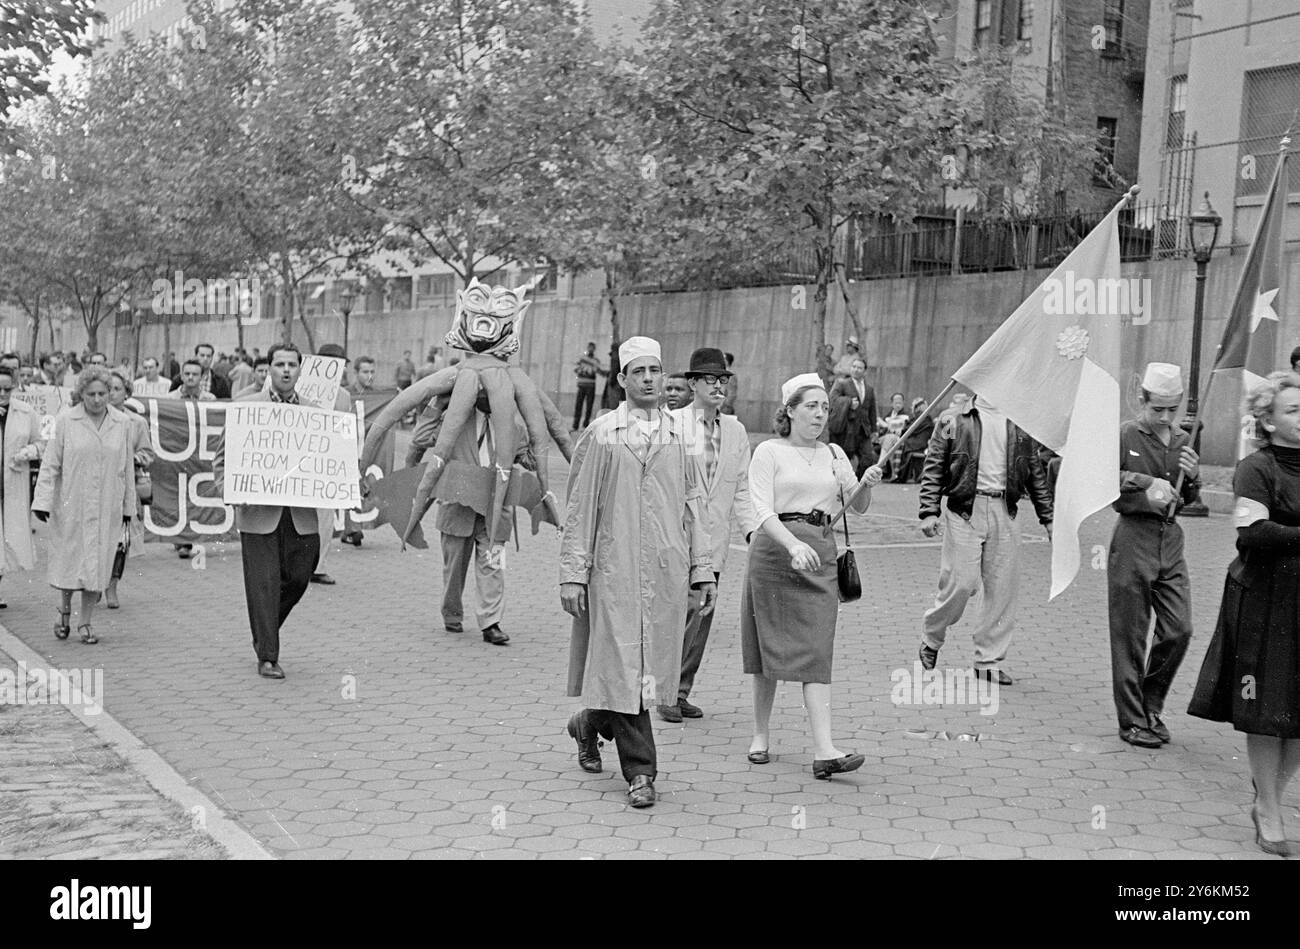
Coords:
pixel 785 479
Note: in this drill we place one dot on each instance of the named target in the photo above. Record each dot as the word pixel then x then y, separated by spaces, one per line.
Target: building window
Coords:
pixel 1112 19
pixel 436 288
pixel 399 293
pixel 983 22
pixel 1025 21
pixel 1268 111
pixel 550 279
pixel 1176 123
pixel 1103 171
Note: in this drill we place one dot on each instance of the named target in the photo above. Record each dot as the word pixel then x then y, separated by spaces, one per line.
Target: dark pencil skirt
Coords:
pixel 788 616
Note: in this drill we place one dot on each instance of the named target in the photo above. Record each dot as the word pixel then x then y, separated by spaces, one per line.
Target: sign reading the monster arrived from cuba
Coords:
pixel 291 455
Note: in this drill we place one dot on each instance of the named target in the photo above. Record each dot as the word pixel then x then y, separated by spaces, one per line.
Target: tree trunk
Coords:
pixel 286 296
pixel 302 315
pixel 166 359
pixel 613 392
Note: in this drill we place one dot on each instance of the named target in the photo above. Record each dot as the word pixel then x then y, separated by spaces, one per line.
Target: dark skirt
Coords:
pixel 1251 673
pixel 788 616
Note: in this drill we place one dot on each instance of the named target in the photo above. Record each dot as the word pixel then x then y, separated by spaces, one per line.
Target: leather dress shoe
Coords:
pixel 1156 725
pixel 580 730
pixel 495 636
pixel 928 657
pixel 1002 678
pixel 688 710
pixel 324 578
pixel 1142 737
pixel 670 713
pixel 270 670
pixel 641 792
pixel 453 627
pixel 823 768
pixel 353 538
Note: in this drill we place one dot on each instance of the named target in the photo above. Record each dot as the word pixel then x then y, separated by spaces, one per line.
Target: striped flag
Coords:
pixel 1053 367
pixel 1248 352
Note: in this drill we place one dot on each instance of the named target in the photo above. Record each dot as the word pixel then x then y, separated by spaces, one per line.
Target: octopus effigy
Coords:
pixel 486 327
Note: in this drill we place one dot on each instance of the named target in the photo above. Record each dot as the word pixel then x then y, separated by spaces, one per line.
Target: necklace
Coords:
pixel 806 458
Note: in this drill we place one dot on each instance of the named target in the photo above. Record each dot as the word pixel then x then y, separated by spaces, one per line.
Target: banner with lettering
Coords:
pixel 48 401
pixel 187 505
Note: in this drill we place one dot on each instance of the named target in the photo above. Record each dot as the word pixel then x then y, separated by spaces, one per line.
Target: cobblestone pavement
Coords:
pixel 64 794
pixel 393 738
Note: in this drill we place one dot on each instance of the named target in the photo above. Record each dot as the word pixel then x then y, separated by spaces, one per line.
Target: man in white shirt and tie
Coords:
pixel 151 383
pixel 720 446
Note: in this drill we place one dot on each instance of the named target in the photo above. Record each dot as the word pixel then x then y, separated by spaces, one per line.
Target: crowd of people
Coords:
pixel 656 487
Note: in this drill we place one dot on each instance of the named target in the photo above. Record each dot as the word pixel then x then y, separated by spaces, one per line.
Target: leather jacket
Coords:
pixel 952 467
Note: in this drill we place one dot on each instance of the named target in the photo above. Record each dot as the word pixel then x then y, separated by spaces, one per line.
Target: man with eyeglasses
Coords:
pixel 1147 569
pixel 720 446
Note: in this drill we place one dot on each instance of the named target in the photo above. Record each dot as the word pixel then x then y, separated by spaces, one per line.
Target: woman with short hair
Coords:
pixel 790 604
pixel 1251 673
pixel 86 491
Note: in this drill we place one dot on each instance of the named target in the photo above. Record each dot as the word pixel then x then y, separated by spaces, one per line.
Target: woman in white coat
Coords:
pixel 20 446
pixel 86 491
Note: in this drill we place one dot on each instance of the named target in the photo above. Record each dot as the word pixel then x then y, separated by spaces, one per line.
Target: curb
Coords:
pixel 161 776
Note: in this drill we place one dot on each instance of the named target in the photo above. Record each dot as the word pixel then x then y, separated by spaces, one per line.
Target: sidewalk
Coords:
pixel 393 738
pixel 66 794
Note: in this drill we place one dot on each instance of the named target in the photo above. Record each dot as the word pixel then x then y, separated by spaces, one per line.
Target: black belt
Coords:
pixel 991 494
pixel 816 518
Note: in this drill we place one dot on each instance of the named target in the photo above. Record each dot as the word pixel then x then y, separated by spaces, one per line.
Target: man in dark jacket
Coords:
pixel 209 381
pixel 982 463
pixel 852 423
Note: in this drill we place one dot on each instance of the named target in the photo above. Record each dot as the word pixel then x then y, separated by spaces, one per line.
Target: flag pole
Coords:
pixel 1204 394
pixel 910 429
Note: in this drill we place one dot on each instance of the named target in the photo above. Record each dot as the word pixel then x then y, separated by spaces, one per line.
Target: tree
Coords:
pixel 786 120
pixel 481 124
pixel 32 33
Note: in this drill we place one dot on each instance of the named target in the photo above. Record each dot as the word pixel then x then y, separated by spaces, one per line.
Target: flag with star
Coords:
pixel 1053 368
pixel 1248 352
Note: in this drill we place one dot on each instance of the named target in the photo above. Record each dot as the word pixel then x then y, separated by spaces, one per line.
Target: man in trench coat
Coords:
pixel 635 542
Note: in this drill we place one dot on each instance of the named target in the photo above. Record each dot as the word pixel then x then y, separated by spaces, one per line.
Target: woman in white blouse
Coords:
pixel 790 604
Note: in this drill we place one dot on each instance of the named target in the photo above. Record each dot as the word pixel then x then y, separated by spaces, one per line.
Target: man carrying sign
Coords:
pixel 280 545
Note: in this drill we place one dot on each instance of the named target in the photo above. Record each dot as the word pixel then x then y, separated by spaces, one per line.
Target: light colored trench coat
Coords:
pixel 638 537
pixel 87 483
pixel 22 428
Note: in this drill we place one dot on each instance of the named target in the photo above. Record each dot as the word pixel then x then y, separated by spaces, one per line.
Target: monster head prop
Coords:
pixel 488 318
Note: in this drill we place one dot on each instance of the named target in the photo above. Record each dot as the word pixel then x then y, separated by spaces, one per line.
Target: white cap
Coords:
pixel 637 347
pixel 794 384
pixel 1163 379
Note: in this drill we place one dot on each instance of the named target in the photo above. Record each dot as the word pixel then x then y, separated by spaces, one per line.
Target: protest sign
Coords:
pixel 48 401
pixel 291 455
pixel 187 505
pixel 318 383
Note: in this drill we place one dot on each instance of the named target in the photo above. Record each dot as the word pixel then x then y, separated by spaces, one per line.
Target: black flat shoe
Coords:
pixel 324 578
pixel 759 757
pixel 641 792
pixel 823 768
pixel 1156 725
pixel 588 750
pixel 270 670
pixel 1142 737
pixel 495 636
pixel 453 627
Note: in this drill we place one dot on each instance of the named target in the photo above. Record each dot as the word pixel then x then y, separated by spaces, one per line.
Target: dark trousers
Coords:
pixel 694 641
pixel 277 570
pixel 587 398
pixel 1146 571
pixel 423 438
pixel 633 736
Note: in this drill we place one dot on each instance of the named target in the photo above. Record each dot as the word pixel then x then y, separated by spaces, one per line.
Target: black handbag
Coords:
pixel 119 558
pixel 846 565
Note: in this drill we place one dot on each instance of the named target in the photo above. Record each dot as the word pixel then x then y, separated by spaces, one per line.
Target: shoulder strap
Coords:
pixel 848 544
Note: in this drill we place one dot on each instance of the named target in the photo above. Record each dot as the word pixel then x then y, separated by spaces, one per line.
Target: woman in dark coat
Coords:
pixel 1251 673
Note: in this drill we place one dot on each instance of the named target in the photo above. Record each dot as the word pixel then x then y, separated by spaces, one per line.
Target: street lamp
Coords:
pixel 1203 229
pixel 345 306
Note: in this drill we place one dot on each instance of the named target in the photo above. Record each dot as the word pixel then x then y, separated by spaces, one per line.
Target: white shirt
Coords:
pixel 143 387
pixel 785 479
pixel 993 448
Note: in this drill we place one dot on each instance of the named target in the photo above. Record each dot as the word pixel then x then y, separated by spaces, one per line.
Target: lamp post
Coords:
pixel 1203 229
pixel 345 307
